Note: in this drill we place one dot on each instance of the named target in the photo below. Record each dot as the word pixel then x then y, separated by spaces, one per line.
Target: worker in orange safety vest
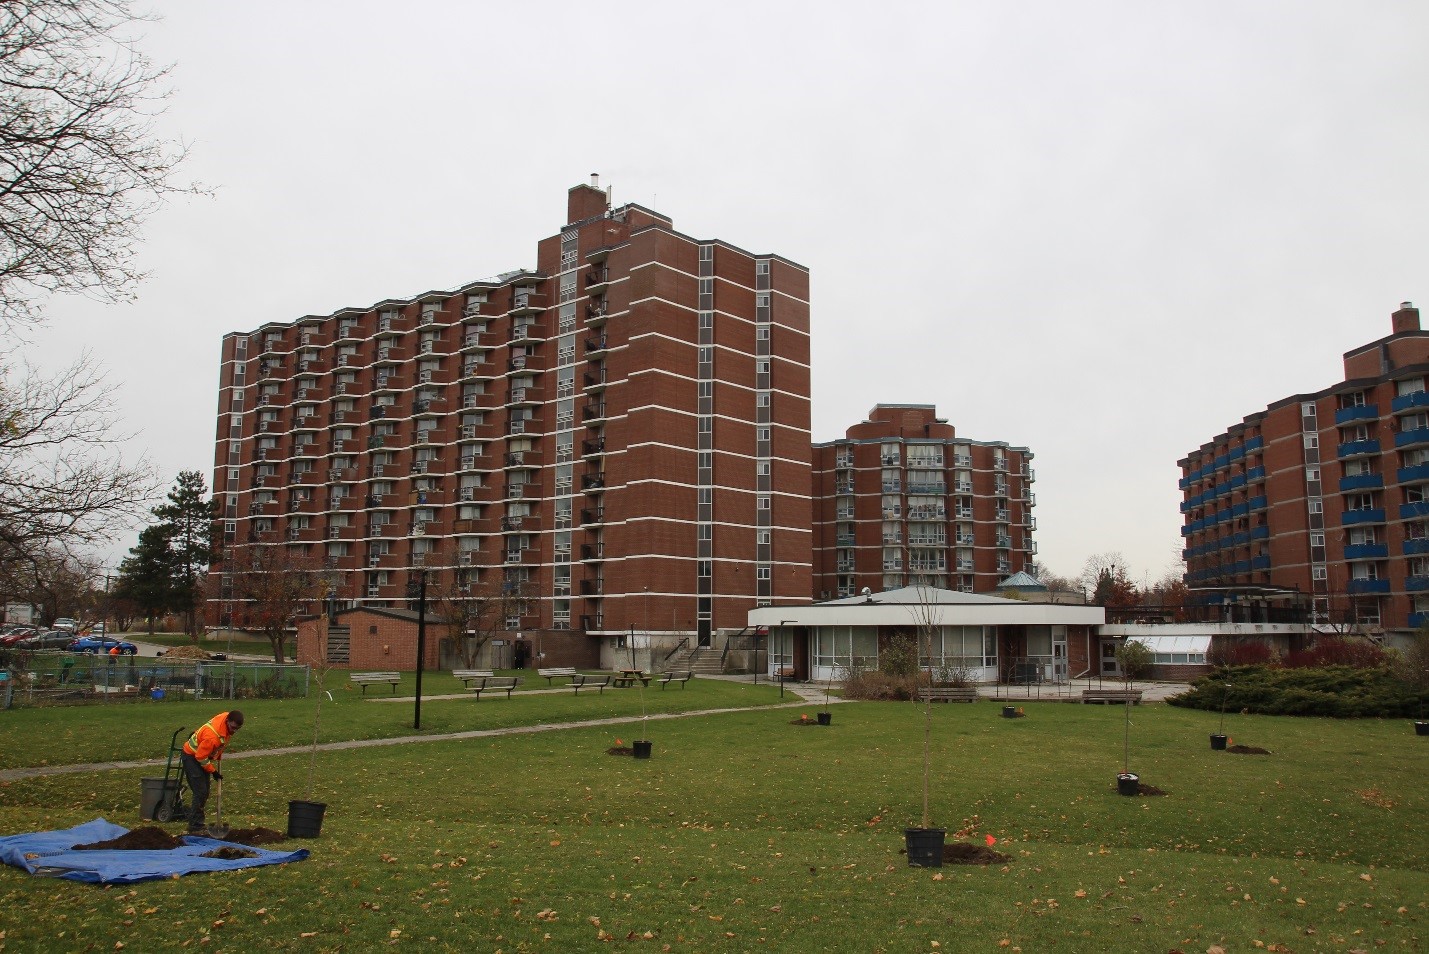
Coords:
pixel 203 759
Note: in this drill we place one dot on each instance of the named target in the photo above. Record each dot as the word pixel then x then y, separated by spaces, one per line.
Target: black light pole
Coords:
pixel 782 624
pixel 421 642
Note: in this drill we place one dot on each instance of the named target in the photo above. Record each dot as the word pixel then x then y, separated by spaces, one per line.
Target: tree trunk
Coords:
pixel 276 641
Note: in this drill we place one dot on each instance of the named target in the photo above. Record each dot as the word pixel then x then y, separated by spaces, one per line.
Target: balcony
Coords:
pixel 592 551
pixel 595 345
pixel 1361 482
pixel 1418 474
pixel 1416 545
pixel 530 331
pixel 525 396
pixel 1416 583
pixel 1002 516
pixel 597 279
pixel 1359 517
pixel 594 380
pixel 527 302
pixel 1368 586
pixel 591 516
pixel 592 588
pixel 595 314
pixel 1414 509
pixel 1364 412
pixel 593 448
pixel 593 411
pixel 1417 620
pixel 1366 551
pixel 592 482
pixel 1417 437
pixel 593 621
pixel 1368 447
pixel 1405 403
pixel 517 363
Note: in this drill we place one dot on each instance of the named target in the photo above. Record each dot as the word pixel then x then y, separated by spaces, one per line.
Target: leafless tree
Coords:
pixel 272 585
pixel 474 610
pixel 80 165
pixel 64 488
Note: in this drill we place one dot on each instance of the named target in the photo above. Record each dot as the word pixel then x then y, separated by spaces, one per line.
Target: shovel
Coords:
pixel 218 829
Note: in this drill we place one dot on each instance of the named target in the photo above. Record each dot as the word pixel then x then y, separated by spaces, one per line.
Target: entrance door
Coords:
pixel 1110 667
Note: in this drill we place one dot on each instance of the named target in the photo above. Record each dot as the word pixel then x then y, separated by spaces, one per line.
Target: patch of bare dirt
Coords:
pixel 804 721
pixel 620 750
pixel 1143 789
pixel 144 838
pixel 229 854
pixel 255 836
pixel 963 853
pixel 186 652
pixel 1247 750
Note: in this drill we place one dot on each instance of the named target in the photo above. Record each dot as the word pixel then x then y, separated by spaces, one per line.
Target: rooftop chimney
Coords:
pixel 1406 318
pixel 586 201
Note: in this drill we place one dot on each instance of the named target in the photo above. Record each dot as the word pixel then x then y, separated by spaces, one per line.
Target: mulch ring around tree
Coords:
pixel 1247 750
pixel 143 838
pixel 229 854
pixel 255 836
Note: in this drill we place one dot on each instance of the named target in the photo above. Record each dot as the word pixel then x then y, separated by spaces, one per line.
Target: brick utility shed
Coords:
pixel 380 638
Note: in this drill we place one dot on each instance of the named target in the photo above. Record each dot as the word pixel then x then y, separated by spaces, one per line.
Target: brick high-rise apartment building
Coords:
pixel 621 435
pixel 1324 493
pixel 902 500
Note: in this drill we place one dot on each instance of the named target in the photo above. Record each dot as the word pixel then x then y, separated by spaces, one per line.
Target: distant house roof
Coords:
pixel 1022 580
pixel 913 605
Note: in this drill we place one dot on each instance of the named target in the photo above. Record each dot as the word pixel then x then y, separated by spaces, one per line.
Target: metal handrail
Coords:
pixel 678 646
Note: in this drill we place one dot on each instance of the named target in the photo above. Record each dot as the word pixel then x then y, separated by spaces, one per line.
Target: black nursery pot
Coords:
pixel 1421 728
pixel 826 718
pixel 1128 783
pixel 1009 712
pixel 1218 741
pixel 305 819
pixel 642 749
pixel 925 846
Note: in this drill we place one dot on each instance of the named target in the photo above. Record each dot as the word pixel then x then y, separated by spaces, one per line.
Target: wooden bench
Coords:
pixel 786 673
pixel 948 694
pixel 495 683
pixel 568 671
pixel 1131 697
pixel 681 676
pixel 468 676
pixel 583 680
pixel 365 679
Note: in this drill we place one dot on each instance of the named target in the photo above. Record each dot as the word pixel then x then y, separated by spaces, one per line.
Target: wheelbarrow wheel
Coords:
pixel 164 813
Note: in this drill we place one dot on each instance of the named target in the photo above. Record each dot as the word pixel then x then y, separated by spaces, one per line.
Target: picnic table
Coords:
pixel 625 678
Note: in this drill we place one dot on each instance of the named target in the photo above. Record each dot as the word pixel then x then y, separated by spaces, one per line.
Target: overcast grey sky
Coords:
pixel 1105 231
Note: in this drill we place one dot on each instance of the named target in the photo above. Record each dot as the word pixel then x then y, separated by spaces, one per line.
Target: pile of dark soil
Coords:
pixel 1247 750
pixel 1143 789
pixel 963 853
pixel 144 838
pixel 255 836
pixel 813 722
pixel 229 854
pixel 619 750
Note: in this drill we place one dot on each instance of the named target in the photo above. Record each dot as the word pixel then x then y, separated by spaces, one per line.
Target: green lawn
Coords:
pixel 142 729
pixel 746 833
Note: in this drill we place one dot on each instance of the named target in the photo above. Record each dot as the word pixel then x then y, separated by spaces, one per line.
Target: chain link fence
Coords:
pixel 67 679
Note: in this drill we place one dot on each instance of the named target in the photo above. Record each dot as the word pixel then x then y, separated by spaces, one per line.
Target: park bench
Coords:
pixel 496 684
pixel 786 673
pixel 948 694
pixel 365 679
pixel 681 676
pixel 567 671
pixel 583 680
pixel 1131 697
pixel 468 676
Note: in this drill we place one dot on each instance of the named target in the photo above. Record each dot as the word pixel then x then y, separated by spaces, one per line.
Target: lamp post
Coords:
pixel 421 643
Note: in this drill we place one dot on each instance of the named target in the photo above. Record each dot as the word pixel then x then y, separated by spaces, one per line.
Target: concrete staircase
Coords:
pixel 702 661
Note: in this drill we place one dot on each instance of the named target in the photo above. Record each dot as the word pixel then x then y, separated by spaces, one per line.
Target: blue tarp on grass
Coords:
pixel 48 854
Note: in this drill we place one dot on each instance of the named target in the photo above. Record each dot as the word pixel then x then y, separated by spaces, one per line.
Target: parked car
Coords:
pixel 95 645
pixel 64 622
pixel 15 635
pixel 53 639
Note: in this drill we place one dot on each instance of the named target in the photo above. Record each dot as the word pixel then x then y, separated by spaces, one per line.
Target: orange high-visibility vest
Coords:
pixel 207 742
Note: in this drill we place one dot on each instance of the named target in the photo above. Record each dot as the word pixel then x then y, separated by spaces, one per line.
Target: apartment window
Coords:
pixel 706 319
pixel 1312 441
pixel 706 355
pixel 704 459
pixel 706 389
pixel 761 267
pixel 761 434
pixel 1317 539
pixel 1312 473
pixel 763 572
pixel 706 425
pixel 1307 409
pixel 762 400
pixel 761 367
pixel 705 532
pixel 1315 505
pixel 707 253
pixel 764 537
pixel 763 502
pixel 761 333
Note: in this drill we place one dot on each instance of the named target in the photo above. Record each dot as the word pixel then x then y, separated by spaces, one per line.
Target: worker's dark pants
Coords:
pixel 198 782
